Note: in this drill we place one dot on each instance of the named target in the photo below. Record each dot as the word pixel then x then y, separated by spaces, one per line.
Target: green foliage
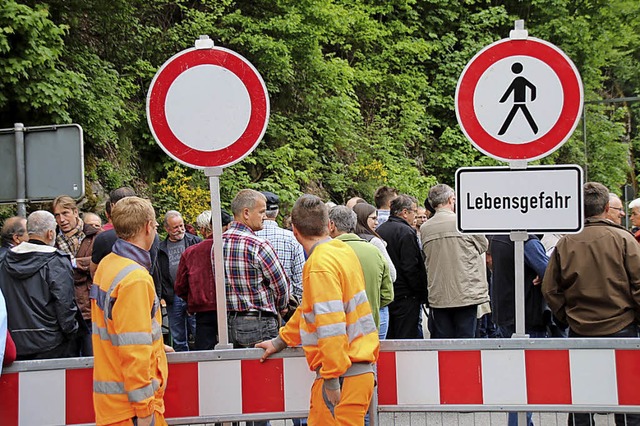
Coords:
pixel 361 91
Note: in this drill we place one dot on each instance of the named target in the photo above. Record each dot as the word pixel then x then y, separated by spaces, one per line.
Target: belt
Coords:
pixel 258 314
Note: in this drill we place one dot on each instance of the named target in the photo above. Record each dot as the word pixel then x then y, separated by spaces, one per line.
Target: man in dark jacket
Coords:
pixel 410 287
pixel 169 252
pixel 37 282
pixel 503 305
pixel 195 282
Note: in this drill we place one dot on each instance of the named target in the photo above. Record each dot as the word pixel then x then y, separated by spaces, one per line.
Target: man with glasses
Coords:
pixel 410 287
pixel 616 211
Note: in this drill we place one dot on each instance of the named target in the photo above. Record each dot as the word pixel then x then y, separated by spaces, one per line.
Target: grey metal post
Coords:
pixel 518 238
pixel 213 173
pixel 21 171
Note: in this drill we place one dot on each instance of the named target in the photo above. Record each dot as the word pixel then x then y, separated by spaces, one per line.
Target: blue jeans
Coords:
pixel 384 323
pixel 180 324
pixel 246 331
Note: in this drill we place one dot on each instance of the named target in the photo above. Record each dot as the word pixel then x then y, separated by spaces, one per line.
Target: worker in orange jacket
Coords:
pixel 333 323
pixel 130 364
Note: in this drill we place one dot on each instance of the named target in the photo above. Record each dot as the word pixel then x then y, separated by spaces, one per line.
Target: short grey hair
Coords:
pixel 635 203
pixel 203 220
pixel 613 196
pixel 343 218
pixel 401 202
pixel 440 194
pixel 40 222
pixel 246 199
pixel 168 215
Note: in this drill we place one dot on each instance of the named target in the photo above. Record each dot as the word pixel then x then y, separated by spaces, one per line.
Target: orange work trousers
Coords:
pixel 355 397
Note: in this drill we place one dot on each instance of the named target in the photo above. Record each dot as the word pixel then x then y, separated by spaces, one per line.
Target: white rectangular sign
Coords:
pixel 538 199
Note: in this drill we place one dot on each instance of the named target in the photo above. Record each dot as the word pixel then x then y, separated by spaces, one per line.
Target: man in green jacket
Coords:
pixel 378 284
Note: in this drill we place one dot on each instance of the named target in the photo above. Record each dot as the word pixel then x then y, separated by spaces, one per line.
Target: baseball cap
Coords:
pixel 273 201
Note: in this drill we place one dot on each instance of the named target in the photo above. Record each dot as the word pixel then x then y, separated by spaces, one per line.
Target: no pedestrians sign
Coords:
pixel 519 99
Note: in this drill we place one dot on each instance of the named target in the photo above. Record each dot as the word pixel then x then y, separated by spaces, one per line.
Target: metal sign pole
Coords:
pixel 21 181
pixel 213 173
pixel 518 238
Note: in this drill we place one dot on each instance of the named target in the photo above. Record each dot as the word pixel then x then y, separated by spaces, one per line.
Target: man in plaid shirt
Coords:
pixel 288 249
pixel 256 284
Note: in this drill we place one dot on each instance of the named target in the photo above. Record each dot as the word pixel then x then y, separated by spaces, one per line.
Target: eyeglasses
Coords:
pixel 372 217
pixel 421 217
pixel 620 209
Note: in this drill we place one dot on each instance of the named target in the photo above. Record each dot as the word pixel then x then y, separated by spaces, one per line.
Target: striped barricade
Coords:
pixel 556 375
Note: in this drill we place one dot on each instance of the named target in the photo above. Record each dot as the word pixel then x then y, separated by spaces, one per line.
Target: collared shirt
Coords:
pixel 254 277
pixel 289 251
pixel 383 216
pixel 130 251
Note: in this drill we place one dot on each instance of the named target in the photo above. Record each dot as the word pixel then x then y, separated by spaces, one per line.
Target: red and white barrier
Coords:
pixel 201 389
pixel 580 377
pixel 415 376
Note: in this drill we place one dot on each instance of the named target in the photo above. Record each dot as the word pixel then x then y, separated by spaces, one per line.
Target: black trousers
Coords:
pixel 206 330
pixel 404 313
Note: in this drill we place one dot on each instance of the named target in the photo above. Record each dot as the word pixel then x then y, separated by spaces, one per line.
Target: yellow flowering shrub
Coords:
pixel 180 191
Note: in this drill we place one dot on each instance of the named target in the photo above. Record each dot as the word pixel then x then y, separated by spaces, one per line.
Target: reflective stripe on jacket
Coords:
pixel 130 365
pixel 334 322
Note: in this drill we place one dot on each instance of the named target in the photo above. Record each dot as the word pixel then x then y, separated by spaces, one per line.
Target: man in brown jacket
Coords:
pixel 592 281
pixel 76 239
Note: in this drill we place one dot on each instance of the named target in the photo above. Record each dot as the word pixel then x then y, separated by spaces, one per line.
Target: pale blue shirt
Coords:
pixel 289 252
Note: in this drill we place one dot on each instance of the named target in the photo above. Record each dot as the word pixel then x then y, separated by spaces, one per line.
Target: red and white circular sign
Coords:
pixel 519 99
pixel 207 107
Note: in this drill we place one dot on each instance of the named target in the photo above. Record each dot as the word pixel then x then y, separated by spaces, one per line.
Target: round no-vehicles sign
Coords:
pixel 519 99
pixel 207 107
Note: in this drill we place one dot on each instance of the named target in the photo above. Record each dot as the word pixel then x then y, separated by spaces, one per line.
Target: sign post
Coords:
pixel 208 108
pixel 518 100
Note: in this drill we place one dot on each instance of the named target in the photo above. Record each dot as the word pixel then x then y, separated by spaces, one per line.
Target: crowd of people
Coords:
pixel 340 280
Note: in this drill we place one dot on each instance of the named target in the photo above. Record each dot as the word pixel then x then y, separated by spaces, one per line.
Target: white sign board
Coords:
pixel 498 200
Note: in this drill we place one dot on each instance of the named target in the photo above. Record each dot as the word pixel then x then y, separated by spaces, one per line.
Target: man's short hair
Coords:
pixel 64 201
pixel 310 216
pixel 130 215
pixel 39 222
pixel 400 203
pixel 12 226
pixel 245 199
pixel 171 213
pixel 440 194
pixel 90 215
pixel 384 195
pixel 344 218
pixel 117 195
pixel 596 197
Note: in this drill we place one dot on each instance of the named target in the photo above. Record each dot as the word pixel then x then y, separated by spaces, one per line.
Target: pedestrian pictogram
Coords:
pixel 519 99
pixel 207 106
pixel 519 88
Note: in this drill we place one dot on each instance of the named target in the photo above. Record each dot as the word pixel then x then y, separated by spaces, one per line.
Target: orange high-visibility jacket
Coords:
pixel 130 364
pixel 334 322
